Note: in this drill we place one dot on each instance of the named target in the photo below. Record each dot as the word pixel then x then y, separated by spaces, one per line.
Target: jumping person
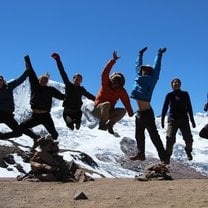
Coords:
pixel 7 107
pixel 146 79
pixel 73 101
pixel 41 101
pixel 112 89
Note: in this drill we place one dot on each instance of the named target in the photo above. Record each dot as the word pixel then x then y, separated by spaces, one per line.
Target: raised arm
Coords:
pixel 139 60
pixel 32 75
pixel 108 67
pixel 61 68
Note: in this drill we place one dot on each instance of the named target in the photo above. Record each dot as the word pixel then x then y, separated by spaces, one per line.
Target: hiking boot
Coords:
pixel 71 126
pixel 139 156
pixel 162 50
pixel 110 128
pixel 143 50
pixel 77 125
pixel 103 126
pixel 189 156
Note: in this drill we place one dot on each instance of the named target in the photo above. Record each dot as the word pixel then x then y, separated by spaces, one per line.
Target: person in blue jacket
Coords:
pixel 7 107
pixel 146 79
pixel 180 111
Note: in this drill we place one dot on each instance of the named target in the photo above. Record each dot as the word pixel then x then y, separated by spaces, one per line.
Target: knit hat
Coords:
pixel 148 67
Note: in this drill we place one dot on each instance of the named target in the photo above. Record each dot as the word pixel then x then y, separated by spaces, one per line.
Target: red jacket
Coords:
pixel 106 93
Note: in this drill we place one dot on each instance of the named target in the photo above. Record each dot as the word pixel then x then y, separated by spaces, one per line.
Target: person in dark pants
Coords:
pixel 41 101
pixel 73 101
pixel 146 79
pixel 7 107
pixel 204 131
pixel 180 111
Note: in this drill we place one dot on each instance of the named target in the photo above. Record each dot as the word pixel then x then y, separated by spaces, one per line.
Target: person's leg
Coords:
pixel 115 115
pixel 68 120
pixel 12 124
pixel 171 137
pixel 102 112
pixel 140 138
pixel 28 124
pixel 48 123
pixel 149 120
pixel 77 119
pixel 204 132
pixel 187 137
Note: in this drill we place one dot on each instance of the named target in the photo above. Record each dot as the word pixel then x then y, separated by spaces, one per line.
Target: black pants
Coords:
pixel 8 119
pixel 173 126
pixel 37 119
pixel 74 115
pixel 146 120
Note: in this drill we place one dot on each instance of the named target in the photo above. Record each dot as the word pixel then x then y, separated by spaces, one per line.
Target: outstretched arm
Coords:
pixel 61 68
pixel 32 75
pixel 108 67
pixel 139 60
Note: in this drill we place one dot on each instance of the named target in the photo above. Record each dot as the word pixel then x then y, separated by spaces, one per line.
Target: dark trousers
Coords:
pixel 173 126
pixel 8 119
pixel 146 120
pixel 72 116
pixel 40 118
pixel 204 132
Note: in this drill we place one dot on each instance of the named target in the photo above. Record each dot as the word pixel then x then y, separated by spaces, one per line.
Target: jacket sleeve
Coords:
pixel 57 94
pixel 126 102
pixel 106 72
pixel 165 108
pixel 157 66
pixel 88 95
pixel 189 108
pixel 19 80
pixel 139 62
pixel 63 73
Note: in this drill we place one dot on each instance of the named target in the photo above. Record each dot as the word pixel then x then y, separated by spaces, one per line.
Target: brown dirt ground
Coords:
pixel 105 193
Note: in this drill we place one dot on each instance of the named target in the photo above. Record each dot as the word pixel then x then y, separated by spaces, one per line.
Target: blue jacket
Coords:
pixel 145 84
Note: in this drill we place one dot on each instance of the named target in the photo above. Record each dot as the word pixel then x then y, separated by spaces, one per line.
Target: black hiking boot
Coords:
pixel 77 126
pixel 139 156
pixel 189 156
pixel 103 126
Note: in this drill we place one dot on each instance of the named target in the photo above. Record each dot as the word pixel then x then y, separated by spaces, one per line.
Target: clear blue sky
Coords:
pixel 85 33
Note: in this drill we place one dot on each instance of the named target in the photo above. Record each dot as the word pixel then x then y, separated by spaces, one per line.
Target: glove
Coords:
pixel 206 107
pixel 56 56
pixel 27 62
pixel 142 50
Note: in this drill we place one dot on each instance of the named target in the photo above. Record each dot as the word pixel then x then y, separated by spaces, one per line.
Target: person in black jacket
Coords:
pixel 41 101
pixel 180 111
pixel 7 107
pixel 204 131
pixel 73 101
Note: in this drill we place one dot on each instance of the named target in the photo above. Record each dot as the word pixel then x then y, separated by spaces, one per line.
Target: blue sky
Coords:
pixel 85 34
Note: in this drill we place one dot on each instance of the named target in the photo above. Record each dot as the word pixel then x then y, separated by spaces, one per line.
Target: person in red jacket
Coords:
pixel 112 89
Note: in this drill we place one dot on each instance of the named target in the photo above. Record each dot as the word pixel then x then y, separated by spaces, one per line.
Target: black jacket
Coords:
pixel 179 105
pixel 6 93
pixel 73 100
pixel 41 96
